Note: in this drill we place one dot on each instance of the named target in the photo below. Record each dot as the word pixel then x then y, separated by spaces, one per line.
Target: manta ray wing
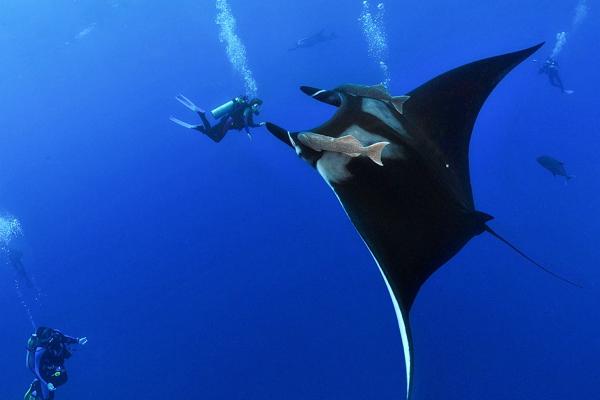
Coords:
pixel 444 110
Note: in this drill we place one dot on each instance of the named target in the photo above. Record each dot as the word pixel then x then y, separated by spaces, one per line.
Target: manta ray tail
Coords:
pixel 531 260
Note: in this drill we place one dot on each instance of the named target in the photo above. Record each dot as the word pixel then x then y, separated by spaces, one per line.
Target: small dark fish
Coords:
pixel 554 166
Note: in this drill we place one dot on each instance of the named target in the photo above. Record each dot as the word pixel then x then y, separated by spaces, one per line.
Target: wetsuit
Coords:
pixel 47 351
pixel 550 68
pixel 240 117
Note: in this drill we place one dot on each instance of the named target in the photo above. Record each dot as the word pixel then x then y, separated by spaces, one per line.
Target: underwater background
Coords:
pixel 229 271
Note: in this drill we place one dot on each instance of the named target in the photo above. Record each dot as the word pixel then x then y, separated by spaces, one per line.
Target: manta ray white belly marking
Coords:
pixel 333 167
pixel 400 316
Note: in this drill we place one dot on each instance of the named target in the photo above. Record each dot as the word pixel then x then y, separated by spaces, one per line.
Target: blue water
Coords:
pixel 230 271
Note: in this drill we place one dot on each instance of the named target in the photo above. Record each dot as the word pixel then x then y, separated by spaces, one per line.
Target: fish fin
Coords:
pixel 398 102
pixel 531 260
pixel 374 152
pixel 348 139
pixel 443 110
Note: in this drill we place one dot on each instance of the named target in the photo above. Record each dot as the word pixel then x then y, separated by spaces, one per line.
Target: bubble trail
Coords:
pixel 561 40
pixel 10 228
pixel 236 51
pixel 580 13
pixel 374 30
pixel 25 304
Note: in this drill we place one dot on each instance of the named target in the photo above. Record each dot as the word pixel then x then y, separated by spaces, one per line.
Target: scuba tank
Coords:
pixel 226 108
pixel 33 342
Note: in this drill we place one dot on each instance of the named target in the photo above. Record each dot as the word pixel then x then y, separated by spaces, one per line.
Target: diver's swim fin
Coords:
pixel 184 124
pixel 189 104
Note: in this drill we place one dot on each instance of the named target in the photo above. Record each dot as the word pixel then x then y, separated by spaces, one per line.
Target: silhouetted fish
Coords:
pixel 554 166
pixel 313 40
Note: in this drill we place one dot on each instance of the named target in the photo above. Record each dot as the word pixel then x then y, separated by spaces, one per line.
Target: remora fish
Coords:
pixel 348 145
pixel 418 212
pixel 378 92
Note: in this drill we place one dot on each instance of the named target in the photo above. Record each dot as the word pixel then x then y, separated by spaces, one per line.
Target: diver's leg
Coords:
pixel 560 84
pixel 218 132
pixel 32 392
pixel 556 81
pixel 46 394
pixel 205 122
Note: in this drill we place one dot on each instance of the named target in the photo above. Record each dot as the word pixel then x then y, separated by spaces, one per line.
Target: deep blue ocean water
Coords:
pixel 229 271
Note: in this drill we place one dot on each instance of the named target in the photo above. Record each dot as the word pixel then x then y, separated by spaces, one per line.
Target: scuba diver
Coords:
pixel 15 257
pixel 47 350
pixel 235 114
pixel 550 68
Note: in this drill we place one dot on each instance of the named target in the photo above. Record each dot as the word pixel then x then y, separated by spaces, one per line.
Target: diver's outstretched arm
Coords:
pixel 186 125
pixel 189 104
pixel 249 120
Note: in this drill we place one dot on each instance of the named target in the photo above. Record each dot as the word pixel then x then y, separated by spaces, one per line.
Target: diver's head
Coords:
pixel 255 104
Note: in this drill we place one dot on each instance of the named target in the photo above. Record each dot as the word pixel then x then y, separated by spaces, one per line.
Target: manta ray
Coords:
pixel 416 210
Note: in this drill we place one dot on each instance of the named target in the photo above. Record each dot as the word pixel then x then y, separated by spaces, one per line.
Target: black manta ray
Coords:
pixel 416 211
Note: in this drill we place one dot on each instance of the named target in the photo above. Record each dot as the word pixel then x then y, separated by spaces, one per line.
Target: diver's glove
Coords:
pixel 262 123
pixel 51 387
pixel 82 341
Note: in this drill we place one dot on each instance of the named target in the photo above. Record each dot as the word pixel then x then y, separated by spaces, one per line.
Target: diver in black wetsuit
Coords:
pixel 236 114
pixel 47 350
pixel 550 67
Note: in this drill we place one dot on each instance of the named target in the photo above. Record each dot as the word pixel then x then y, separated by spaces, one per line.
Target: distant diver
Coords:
pixel 15 258
pixel 313 40
pixel 550 67
pixel 236 114
pixel 556 167
pixel 47 350
pixel 417 211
